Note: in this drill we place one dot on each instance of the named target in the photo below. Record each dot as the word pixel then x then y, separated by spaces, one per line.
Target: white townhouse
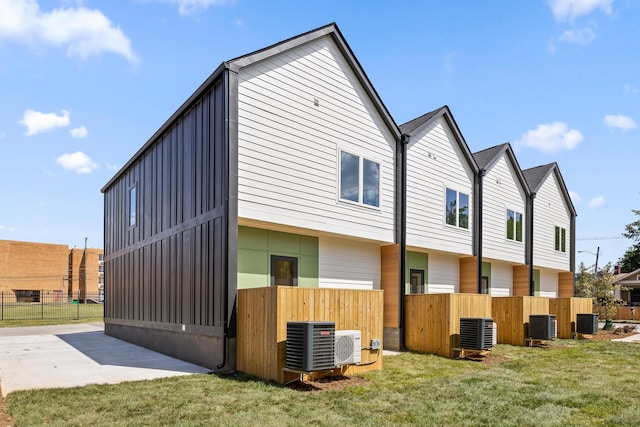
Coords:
pixel 552 225
pixel 504 194
pixel 280 169
pixel 441 206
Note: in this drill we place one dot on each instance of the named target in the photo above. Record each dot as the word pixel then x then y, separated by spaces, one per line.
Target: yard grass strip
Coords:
pixel 571 383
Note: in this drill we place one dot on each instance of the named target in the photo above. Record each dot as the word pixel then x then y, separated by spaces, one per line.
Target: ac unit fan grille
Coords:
pixel 310 346
pixel 587 323
pixel 476 333
pixel 542 326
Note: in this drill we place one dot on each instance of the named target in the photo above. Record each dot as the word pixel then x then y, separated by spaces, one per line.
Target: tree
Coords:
pixel 633 229
pixel 600 288
pixel 631 259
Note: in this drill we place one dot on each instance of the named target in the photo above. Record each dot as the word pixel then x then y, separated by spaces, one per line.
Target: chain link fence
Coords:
pixel 41 305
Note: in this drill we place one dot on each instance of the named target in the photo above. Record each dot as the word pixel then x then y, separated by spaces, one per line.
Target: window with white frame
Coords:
pixel 457 209
pixel 561 239
pixel 514 225
pixel 359 180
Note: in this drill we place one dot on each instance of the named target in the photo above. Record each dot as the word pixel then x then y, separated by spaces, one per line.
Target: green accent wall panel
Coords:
pixel 536 283
pixel 256 246
pixel 486 271
pixel 416 261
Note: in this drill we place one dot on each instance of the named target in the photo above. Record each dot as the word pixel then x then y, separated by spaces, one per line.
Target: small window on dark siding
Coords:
pixel 133 204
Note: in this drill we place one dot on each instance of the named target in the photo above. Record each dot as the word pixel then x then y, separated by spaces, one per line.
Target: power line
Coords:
pixel 602 238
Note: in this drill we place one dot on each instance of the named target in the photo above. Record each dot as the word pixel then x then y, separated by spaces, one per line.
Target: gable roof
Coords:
pixel 334 32
pixel 415 126
pixel 487 158
pixel 537 176
pixel 234 65
pixel 625 276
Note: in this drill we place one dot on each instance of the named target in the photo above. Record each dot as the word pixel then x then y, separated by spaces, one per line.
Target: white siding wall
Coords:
pixel 434 163
pixel 502 191
pixel 348 264
pixel 288 154
pixel 501 278
pixel 444 273
pixel 549 211
pixel 548 283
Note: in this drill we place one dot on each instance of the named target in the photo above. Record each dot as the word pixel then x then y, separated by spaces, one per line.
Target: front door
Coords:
pixel 417 281
pixel 284 270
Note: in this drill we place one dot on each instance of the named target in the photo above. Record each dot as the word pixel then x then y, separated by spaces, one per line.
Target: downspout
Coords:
pixel 529 252
pixel 572 255
pixel 230 206
pixel 478 224
pixel 402 153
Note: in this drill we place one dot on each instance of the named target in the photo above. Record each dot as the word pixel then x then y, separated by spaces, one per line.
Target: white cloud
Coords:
pixel 583 36
pixel 575 197
pixel 629 88
pixel 79 132
pixel 37 122
pixel 83 32
pixel 112 167
pixel 550 138
pixel 187 7
pixel 5 228
pixel 620 122
pixel 77 162
pixel 568 10
pixel 596 202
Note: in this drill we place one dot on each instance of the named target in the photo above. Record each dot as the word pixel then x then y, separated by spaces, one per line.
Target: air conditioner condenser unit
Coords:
pixel 476 333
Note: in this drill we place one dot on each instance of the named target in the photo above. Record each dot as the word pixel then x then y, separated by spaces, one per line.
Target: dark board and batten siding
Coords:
pixel 166 277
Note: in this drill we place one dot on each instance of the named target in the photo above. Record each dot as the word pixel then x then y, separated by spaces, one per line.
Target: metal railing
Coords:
pixel 40 305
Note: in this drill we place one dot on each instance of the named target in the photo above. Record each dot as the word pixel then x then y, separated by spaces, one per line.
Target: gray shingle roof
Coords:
pixel 535 176
pixel 487 156
pixel 411 125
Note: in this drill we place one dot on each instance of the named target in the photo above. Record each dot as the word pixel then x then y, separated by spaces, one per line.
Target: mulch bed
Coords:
pixel 614 334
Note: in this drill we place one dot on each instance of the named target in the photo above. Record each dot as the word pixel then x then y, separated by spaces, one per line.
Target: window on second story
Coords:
pixel 457 209
pixel 359 180
pixel 132 206
pixel 514 225
pixel 561 239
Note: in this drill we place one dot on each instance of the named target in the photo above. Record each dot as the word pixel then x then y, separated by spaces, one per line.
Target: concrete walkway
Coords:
pixel 77 355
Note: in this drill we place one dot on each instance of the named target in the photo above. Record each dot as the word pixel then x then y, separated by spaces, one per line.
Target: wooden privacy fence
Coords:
pixel 566 311
pixel 511 315
pixel 263 314
pixel 432 321
pixel 627 313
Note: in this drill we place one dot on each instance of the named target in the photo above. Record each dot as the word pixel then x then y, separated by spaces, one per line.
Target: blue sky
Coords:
pixel 83 84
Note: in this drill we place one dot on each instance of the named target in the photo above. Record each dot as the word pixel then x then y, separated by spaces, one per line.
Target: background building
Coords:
pixel 29 269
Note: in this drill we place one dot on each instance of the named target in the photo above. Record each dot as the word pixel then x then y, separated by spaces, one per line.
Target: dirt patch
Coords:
pixel 487 358
pixel 5 419
pixel 338 382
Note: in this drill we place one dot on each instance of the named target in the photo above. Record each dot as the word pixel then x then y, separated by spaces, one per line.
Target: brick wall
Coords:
pixel 44 266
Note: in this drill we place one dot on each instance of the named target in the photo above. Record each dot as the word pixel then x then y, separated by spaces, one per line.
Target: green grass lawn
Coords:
pixel 572 383
pixel 48 311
